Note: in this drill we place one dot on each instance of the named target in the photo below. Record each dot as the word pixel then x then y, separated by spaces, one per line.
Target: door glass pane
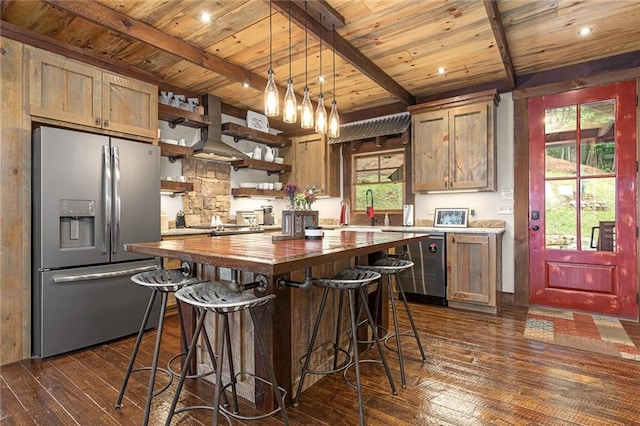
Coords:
pixel 560 141
pixel 560 214
pixel 597 205
pixel 580 189
pixel 597 143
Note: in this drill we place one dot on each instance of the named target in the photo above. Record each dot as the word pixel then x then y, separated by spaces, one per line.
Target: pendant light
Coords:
pixel 271 101
pixel 334 118
pixel 321 112
pixel 306 110
pixel 290 110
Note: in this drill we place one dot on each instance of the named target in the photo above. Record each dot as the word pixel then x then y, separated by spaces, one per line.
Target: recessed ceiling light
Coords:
pixel 245 85
pixel 205 17
pixel 321 79
pixel 585 31
pixel 441 70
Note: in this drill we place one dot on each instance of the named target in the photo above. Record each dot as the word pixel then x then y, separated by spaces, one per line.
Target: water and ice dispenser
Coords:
pixel 77 223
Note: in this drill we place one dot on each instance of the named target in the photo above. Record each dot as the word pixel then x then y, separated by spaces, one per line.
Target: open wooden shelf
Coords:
pixel 242 132
pixel 174 151
pixel 249 192
pixel 181 116
pixel 176 187
pixel 267 166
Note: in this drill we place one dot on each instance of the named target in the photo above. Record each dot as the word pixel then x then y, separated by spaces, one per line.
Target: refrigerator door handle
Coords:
pixel 115 235
pixel 106 189
pixel 88 277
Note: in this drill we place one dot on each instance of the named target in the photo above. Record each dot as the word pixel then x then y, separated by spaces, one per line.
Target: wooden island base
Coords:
pixel 288 321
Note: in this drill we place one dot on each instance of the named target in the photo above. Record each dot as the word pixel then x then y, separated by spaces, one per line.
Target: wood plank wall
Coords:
pixel 15 205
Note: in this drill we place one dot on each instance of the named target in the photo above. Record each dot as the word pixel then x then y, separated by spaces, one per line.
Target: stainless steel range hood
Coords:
pixel 210 147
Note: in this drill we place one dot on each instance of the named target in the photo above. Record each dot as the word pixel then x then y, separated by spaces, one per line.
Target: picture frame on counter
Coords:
pixel 451 217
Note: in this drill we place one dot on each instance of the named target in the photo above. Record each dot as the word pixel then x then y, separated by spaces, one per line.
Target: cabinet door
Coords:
pixel 315 163
pixel 63 89
pixel 430 151
pixel 129 106
pixel 471 269
pixel 469 147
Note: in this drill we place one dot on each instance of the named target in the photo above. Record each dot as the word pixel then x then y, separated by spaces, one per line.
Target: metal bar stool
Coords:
pixel 221 300
pixel 351 281
pixel 388 266
pixel 161 282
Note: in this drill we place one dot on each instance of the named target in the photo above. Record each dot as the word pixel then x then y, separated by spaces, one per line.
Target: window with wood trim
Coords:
pixel 383 173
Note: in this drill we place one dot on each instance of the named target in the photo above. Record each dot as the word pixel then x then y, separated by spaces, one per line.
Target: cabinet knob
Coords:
pixel 106 123
pixel 97 121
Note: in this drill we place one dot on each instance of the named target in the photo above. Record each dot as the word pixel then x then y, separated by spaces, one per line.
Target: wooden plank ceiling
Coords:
pixel 387 51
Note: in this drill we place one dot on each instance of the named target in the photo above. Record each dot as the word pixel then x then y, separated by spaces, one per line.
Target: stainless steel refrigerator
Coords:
pixel 91 194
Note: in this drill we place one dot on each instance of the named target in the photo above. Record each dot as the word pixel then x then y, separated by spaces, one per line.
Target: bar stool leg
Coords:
pixel 336 342
pixel 222 325
pixel 136 347
pixel 413 324
pixel 363 293
pixel 154 363
pixel 232 371
pixel 396 328
pixel 356 358
pixel 312 342
pixel 185 367
pixel 272 376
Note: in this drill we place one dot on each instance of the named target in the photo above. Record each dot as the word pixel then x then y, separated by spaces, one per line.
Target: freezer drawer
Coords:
pixel 79 307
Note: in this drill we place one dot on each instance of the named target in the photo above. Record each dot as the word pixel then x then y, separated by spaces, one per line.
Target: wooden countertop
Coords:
pixel 259 254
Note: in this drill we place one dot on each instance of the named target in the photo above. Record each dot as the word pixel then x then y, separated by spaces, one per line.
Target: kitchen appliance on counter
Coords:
pixel 229 229
pixel 91 195
pixel 265 215
pixel 426 282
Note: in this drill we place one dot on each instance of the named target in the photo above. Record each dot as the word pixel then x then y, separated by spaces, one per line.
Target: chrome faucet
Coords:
pixel 369 202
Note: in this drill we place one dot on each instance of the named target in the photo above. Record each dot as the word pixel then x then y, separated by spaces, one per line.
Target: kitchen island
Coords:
pixel 258 258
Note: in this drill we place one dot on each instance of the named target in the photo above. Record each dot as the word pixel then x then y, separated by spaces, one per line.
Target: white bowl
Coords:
pixel 278 160
pixel 170 141
pixel 248 185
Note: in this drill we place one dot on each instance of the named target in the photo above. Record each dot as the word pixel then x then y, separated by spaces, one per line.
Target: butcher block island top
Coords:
pixel 258 253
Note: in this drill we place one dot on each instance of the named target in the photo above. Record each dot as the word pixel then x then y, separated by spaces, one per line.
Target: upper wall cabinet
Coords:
pixel 73 92
pixel 454 144
pixel 315 164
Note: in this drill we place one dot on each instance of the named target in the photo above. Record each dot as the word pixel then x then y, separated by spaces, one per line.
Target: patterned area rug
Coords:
pixel 579 330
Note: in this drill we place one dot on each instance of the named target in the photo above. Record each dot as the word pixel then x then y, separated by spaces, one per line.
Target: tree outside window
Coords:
pixel 384 173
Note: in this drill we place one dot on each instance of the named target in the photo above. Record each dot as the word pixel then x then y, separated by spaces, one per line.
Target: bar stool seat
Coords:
pixel 353 282
pixel 386 267
pixel 219 299
pixel 162 282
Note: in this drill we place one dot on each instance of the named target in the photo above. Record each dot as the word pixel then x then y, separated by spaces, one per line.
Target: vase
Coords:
pixel 292 204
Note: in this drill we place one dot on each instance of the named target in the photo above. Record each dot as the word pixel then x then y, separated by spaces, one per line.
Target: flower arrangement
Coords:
pixel 291 189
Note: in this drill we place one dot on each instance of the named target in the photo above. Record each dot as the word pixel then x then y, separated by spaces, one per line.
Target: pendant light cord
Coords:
pixel 289 40
pixel 320 37
pixel 334 62
pixel 270 39
pixel 306 47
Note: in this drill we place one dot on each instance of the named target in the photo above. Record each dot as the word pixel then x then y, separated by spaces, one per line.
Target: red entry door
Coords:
pixel 583 201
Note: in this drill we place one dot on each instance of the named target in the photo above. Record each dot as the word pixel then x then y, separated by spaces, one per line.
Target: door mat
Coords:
pixel 594 333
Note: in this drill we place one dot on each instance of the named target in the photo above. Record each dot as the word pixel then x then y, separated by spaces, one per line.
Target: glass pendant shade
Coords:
pixel 306 111
pixel 334 121
pixel 290 113
pixel 271 103
pixel 321 116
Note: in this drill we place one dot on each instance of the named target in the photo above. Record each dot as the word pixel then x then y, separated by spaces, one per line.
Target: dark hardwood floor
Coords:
pixel 479 371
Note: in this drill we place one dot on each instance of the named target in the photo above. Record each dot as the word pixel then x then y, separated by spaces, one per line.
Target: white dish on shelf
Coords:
pixel 257 121
pixel 252 185
pixel 169 141
pixel 278 160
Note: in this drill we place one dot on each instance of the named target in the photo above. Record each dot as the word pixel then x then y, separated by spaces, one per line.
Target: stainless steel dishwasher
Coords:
pixel 426 282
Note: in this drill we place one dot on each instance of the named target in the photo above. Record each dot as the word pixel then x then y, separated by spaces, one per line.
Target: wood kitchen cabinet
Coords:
pixel 65 90
pixel 474 265
pixel 315 163
pixel 454 144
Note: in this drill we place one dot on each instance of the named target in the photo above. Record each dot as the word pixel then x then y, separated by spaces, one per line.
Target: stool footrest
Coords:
pixel 236 414
pixel 336 350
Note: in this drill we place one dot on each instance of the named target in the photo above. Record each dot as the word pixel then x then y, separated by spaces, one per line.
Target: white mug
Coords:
pixel 272 185
pixel 277 186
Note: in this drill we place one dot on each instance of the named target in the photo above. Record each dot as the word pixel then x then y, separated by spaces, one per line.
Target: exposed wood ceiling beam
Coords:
pixel 501 40
pixel 330 16
pixel 347 52
pixel 137 30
